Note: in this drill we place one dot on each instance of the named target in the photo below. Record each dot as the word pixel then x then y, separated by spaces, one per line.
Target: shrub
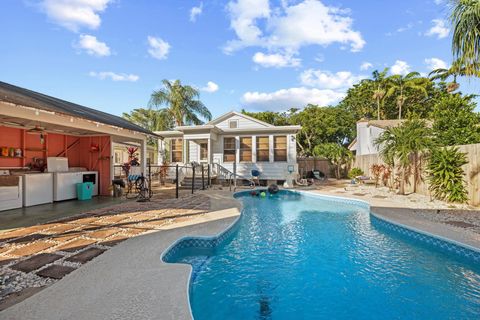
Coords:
pixel 377 171
pixel 355 172
pixel 447 176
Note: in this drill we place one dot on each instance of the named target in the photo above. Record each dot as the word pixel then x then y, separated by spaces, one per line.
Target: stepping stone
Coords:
pixel 379 197
pixel 5 260
pixel 60 228
pixel 359 194
pixel 114 240
pixel 29 238
pixel 36 262
pixel 32 248
pixel 55 271
pixel 75 245
pixel 104 233
pixel 17 297
pixel 86 255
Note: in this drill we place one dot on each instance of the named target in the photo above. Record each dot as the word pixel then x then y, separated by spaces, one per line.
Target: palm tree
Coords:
pixel 181 102
pixel 400 144
pixel 150 119
pixel 379 79
pixel 465 19
pixel 399 85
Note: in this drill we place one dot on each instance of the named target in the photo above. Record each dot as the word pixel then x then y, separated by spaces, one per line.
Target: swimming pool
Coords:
pixel 298 256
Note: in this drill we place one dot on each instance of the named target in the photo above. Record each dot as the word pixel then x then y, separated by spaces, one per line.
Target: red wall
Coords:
pixel 79 151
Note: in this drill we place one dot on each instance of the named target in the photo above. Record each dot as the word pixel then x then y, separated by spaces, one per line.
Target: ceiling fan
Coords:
pixel 36 130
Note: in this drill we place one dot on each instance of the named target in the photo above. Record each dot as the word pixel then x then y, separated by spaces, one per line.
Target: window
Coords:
pixel 229 150
pixel 233 124
pixel 203 151
pixel 280 148
pixel 118 157
pixel 246 149
pixel 263 149
pixel 177 150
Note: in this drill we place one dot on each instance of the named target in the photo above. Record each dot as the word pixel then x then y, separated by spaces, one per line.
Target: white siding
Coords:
pixel 243 123
pixel 193 151
pixel 366 136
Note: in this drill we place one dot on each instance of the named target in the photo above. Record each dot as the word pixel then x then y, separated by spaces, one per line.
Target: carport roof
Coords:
pixel 29 98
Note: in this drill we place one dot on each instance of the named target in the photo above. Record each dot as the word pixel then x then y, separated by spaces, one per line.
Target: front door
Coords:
pixel 203 151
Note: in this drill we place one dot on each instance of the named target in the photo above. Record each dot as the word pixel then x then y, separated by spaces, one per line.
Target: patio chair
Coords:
pixel 255 177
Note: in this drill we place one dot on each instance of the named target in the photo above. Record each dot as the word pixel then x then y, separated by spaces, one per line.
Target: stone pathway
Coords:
pixel 37 256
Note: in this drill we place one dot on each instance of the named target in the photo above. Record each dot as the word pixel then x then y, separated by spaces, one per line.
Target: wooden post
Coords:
pixel 208 175
pixel 193 178
pixel 203 179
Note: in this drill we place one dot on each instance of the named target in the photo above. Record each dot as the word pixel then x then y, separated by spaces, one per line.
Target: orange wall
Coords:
pixel 79 154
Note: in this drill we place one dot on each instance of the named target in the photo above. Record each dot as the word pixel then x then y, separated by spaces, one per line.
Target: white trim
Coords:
pixel 234 113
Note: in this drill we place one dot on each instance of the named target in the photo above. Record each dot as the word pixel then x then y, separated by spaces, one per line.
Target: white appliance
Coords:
pixel 57 164
pixel 65 185
pixel 37 188
pixel 11 196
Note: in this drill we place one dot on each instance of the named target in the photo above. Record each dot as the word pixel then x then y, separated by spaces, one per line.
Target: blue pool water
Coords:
pixel 296 256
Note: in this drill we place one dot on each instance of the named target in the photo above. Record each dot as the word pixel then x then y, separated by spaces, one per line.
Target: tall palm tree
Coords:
pixel 379 80
pixel 399 84
pixel 398 145
pixel 457 69
pixel 181 103
pixel 465 19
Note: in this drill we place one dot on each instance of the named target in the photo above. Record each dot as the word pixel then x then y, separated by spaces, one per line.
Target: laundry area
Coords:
pixel 53 150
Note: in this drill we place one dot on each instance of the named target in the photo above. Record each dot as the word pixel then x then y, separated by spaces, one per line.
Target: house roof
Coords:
pixel 234 113
pixel 28 98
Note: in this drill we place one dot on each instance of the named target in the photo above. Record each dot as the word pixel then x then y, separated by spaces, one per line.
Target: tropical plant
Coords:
pixel 399 85
pixel 454 121
pixel 380 84
pixel 377 171
pixel 446 175
pixel 465 19
pixel 355 172
pixel 338 155
pixel 455 70
pixel 181 103
pixel 400 145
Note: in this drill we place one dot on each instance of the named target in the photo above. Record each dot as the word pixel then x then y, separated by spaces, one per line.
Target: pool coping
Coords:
pixel 78 295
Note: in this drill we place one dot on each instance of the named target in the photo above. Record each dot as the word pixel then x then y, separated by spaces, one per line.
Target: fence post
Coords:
pixel 203 179
pixel 234 175
pixel 176 181
pixel 149 178
pixel 193 178
pixel 208 176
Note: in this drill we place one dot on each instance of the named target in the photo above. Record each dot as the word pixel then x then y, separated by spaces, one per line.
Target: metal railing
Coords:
pixel 177 173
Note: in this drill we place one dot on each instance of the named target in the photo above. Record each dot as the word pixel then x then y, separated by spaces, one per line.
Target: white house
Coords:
pixel 367 132
pixel 234 142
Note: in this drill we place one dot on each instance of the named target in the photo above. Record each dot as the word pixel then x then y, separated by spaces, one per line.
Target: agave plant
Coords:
pixel 446 175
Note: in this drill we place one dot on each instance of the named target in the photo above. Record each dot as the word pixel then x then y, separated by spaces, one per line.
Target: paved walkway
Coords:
pixel 34 257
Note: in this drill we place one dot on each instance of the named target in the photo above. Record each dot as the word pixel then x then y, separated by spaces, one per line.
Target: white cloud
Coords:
pixel 290 27
pixel 92 46
pixel 400 67
pixel 75 14
pixel 158 48
pixel 435 63
pixel 365 66
pixel 195 12
pixel 275 60
pixel 211 87
pixel 114 76
pixel 292 97
pixel 329 80
pixel 439 29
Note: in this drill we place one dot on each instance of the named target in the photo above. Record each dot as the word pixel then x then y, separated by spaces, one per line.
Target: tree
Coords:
pixel 446 175
pixel 399 86
pixel 337 154
pixel 455 70
pixel 275 118
pixel 400 144
pixel 455 122
pixel 181 103
pixel 150 119
pixel 465 19
pixel 380 83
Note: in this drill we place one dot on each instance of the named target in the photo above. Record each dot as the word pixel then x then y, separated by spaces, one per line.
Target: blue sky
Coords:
pixel 252 54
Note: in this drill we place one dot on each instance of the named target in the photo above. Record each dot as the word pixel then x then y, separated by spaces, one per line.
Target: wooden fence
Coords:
pixel 308 164
pixel 471 169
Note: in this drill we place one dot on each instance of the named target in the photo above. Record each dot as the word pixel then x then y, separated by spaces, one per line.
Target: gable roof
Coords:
pixel 227 115
pixel 29 98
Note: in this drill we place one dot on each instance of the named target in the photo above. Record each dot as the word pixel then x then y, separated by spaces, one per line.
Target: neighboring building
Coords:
pixel 367 132
pixel 234 141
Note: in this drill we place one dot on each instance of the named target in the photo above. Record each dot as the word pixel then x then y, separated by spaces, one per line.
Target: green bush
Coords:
pixel 447 176
pixel 355 172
